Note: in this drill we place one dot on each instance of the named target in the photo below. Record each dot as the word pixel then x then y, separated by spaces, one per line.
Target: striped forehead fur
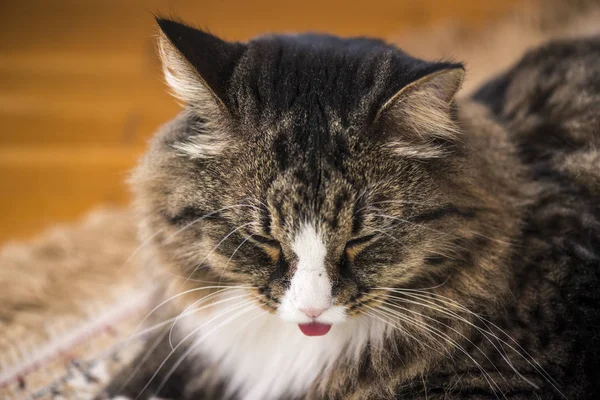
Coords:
pixel 308 147
pixel 277 80
pixel 432 264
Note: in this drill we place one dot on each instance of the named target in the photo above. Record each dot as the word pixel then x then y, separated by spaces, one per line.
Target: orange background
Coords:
pixel 81 90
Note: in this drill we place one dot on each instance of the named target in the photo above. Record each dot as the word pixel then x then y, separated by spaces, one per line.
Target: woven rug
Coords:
pixel 70 300
pixel 73 298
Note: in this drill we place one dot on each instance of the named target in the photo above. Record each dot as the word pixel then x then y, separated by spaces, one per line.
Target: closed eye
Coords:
pixel 271 246
pixel 266 240
pixel 355 246
pixel 360 240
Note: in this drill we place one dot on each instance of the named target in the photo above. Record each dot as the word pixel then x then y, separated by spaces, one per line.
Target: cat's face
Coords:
pixel 313 169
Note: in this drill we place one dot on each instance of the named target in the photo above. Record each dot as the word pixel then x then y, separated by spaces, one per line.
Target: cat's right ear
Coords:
pixel 197 65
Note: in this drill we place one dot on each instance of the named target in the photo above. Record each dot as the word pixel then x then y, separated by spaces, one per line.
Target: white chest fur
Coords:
pixel 262 357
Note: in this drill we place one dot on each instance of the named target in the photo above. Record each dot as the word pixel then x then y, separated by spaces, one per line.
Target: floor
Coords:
pixel 81 90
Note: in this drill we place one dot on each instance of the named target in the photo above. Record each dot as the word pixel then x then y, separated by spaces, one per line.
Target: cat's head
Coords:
pixel 315 169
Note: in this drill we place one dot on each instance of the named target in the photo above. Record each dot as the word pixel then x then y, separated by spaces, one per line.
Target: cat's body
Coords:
pixel 452 251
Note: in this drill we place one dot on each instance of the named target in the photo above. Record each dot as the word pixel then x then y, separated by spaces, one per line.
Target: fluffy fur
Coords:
pixel 264 359
pixel 508 37
pixel 441 238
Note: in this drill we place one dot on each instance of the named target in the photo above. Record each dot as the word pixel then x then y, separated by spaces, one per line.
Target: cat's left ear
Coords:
pixel 421 112
pixel 197 65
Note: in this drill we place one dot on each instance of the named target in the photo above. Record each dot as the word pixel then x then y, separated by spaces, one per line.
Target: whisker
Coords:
pixel 527 357
pixel 183 314
pixel 198 280
pixel 375 311
pixel 216 247
pixel 149 352
pixel 161 336
pixel 142 245
pixel 182 294
pixel 199 341
pixel 430 331
pixel 449 327
pixel 193 332
pixel 483 331
pixel 423 289
pixel 419 203
pixel 390 236
pixel 149 238
pixel 442 335
pixel 403 220
pixel 233 254
pixel 361 195
pixel 448 300
pixel 262 203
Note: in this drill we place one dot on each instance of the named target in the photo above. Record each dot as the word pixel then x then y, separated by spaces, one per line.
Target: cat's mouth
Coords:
pixel 314 328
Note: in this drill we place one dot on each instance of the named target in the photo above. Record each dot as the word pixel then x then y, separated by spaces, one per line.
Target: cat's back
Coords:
pixel 550 103
pixel 555 82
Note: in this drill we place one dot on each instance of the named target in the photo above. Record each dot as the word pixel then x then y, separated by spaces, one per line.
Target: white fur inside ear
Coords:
pixel 424 108
pixel 417 151
pixel 185 82
pixel 202 146
pixel 188 86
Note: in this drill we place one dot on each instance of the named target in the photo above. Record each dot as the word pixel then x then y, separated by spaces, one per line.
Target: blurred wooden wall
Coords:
pixel 81 90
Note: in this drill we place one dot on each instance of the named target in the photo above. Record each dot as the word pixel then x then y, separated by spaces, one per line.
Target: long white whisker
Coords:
pixel 149 352
pixel 141 246
pixel 183 314
pixel 390 236
pixel 527 357
pixel 149 238
pixel 182 294
pixel 374 310
pixel 162 335
pixel 452 329
pixel 262 203
pixel 483 331
pixel 444 336
pixel 392 202
pixel 193 332
pixel 233 254
pixel 438 231
pixel 448 300
pixel 199 341
pixel 216 247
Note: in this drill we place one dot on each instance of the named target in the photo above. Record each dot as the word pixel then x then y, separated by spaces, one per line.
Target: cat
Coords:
pixel 326 219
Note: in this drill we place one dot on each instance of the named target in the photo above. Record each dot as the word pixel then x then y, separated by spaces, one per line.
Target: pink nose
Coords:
pixel 313 312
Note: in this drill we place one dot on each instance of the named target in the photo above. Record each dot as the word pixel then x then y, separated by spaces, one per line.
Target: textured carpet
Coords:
pixel 72 298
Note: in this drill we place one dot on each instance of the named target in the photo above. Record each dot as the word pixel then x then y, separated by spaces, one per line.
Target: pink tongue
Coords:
pixel 314 329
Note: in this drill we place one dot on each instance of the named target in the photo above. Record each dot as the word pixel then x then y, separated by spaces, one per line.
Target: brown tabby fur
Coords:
pixel 491 222
pixel 581 165
pixel 530 24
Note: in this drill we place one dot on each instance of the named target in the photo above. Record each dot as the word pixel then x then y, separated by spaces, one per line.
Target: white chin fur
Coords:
pixel 261 356
pixel 265 356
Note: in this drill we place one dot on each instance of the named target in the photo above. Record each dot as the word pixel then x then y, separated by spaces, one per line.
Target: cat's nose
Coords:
pixel 313 312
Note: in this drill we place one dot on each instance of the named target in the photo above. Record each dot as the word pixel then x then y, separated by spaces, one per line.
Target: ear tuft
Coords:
pixel 422 112
pixel 197 65
pixel 185 83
